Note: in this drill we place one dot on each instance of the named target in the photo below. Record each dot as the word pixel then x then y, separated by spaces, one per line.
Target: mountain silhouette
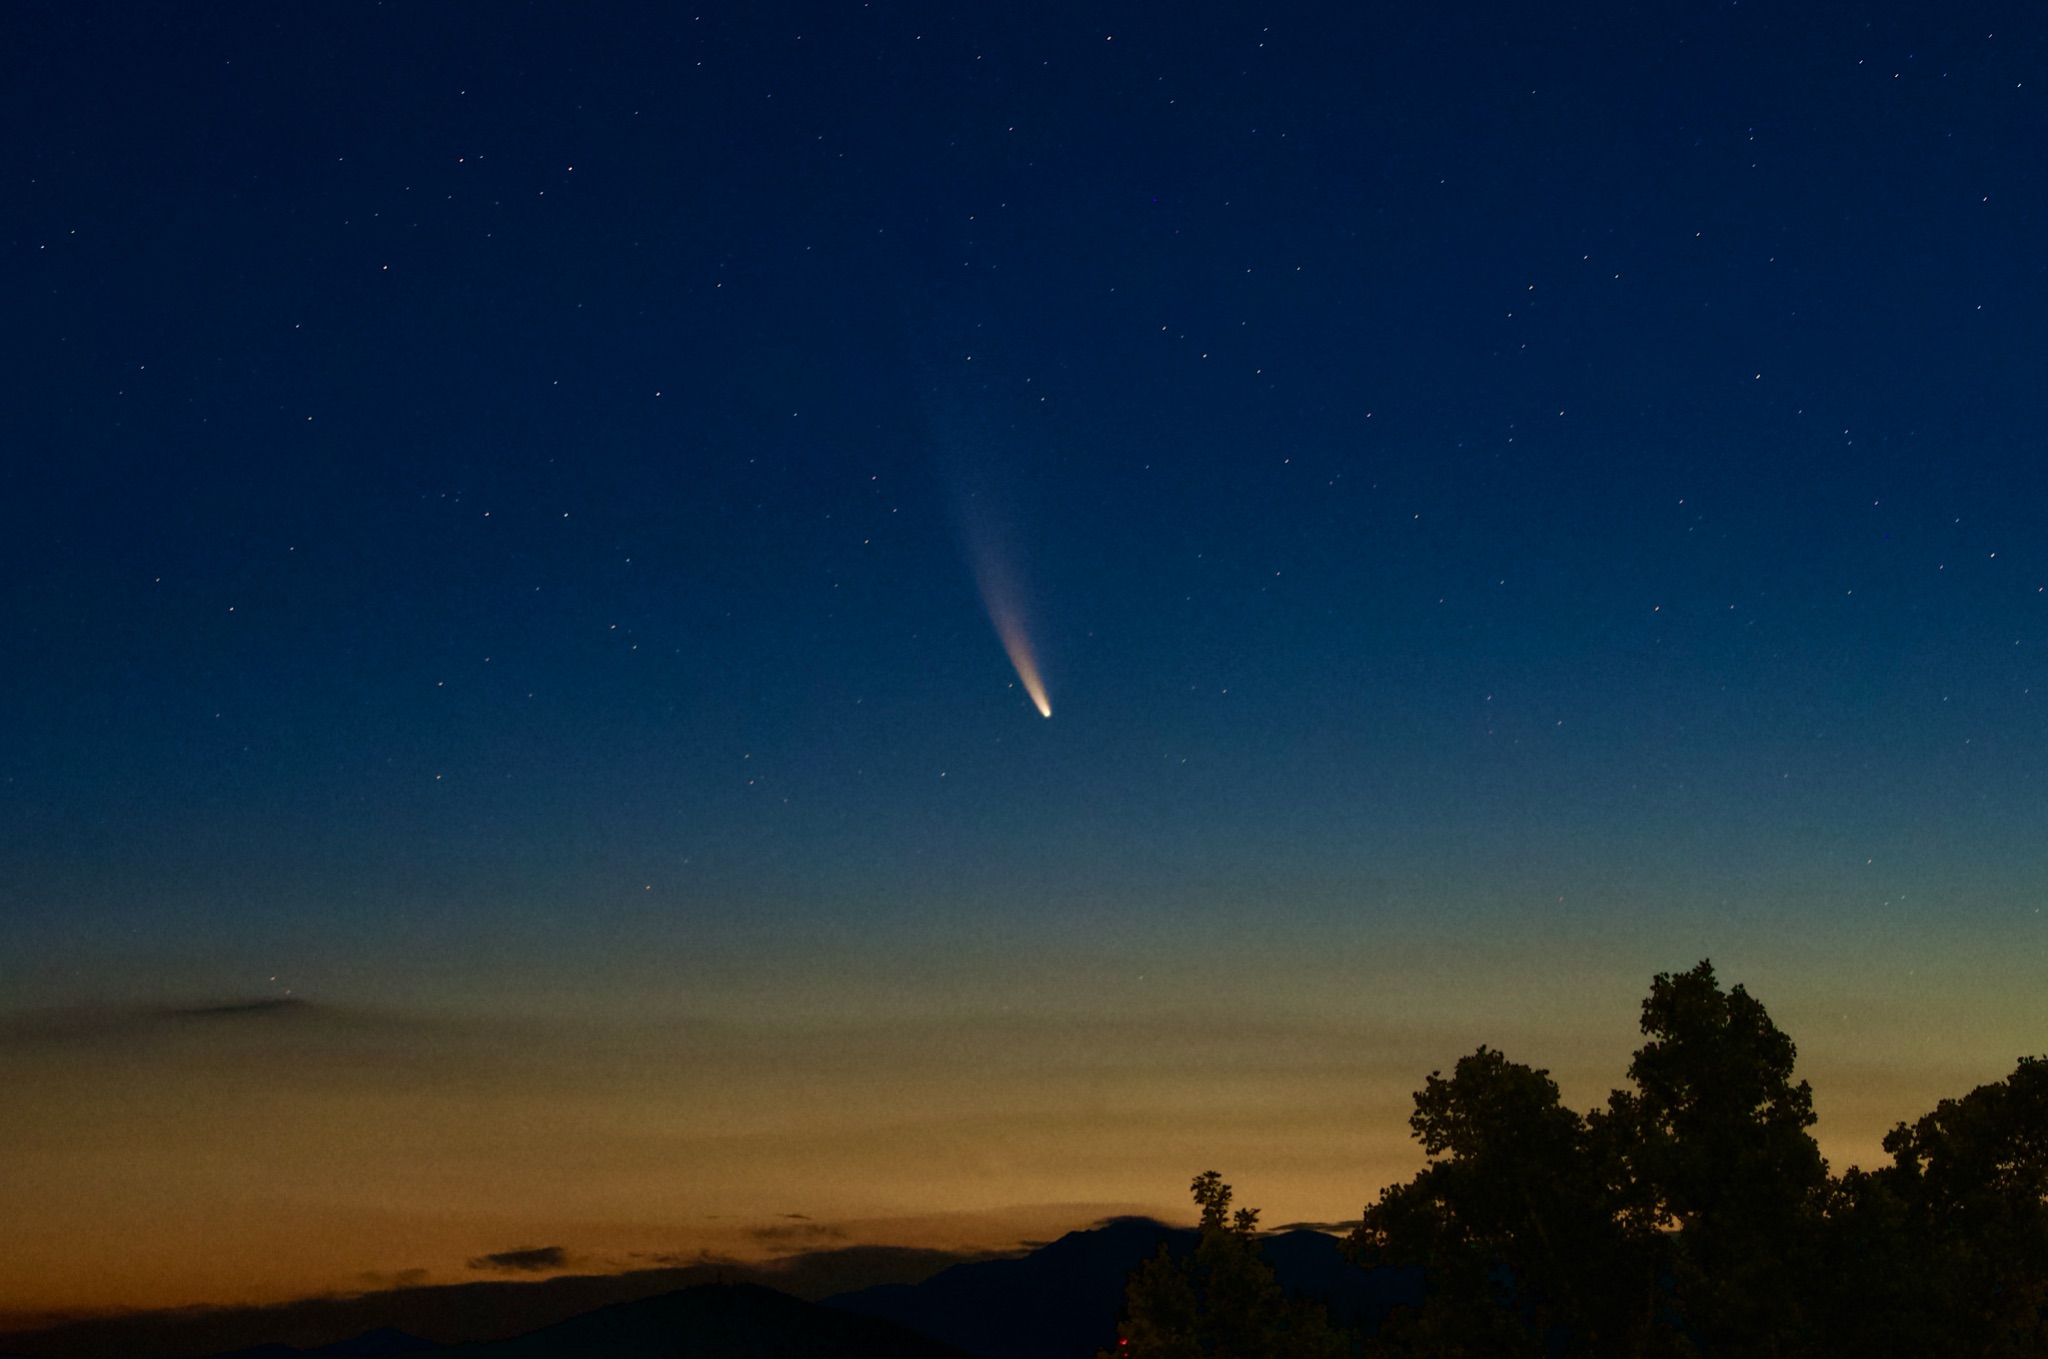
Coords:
pixel 714 1321
pixel 385 1340
pixel 454 1314
pixel 1062 1299
pixel 708 1321
pixel 1314 1264
pixel 377 1344
pixel 1065 1298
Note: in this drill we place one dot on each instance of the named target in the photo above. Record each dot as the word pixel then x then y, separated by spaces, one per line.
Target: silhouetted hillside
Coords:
pixel 1315 1264
pixel 716 1321
pixel 385 1340
pixel 1065 1298
pixel 377 1344
pixel 453 1314
pixel 1062 1299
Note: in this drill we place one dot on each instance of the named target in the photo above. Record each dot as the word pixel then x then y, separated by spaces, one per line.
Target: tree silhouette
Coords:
pixel 1683 1217
pixel 1715 1140
pixel 1223 1302
pixel 1526 1244
pixel 1945 1251
pixel 1693 1216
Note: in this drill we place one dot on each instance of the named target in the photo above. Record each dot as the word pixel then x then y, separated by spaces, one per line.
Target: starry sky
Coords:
pixel 511 520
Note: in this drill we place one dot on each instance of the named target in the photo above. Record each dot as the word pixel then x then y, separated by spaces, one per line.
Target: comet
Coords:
pixel 1001 595
pixel 1010 628
pixel 982 462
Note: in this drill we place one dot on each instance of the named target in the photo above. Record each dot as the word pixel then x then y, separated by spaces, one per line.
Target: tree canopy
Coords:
pixel 1690 1216
pixel 1694 1214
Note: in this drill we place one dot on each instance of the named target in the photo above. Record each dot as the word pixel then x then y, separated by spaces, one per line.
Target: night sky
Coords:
pixel 507 512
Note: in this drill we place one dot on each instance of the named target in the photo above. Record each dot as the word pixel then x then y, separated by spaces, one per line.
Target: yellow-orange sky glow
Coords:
pixel 161 1156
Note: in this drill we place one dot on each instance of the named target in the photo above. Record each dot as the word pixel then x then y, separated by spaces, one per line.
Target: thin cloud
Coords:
pixel 805 1232
pixel 260 1007
pixel 397 1278
pixel 113 1023
pixel 525 1260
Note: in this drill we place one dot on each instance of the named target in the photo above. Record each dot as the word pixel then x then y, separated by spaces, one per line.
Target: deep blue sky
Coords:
pixel 480 508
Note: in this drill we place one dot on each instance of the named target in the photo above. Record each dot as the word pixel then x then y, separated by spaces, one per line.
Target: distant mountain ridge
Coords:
pixel 715 1321
pixel 449 1314
pixel 1061 1301
pixel 708 1321
pixel 377 1344
pixel 1065 1298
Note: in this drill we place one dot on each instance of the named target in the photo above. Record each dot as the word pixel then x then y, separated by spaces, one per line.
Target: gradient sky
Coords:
pixel 505 745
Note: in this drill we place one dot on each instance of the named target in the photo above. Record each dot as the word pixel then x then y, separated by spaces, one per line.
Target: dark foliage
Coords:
pixel 1715 1145
pixel 1945 1251
pixel 1520 1220
pixel 1694 1215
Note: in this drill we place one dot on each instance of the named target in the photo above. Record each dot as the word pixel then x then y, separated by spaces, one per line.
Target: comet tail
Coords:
pixel 1011 629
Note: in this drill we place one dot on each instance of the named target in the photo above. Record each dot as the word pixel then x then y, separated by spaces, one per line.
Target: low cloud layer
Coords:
pixel 525 1260
pixel 805 1233
pixel 258 1007
pixel 108 1023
